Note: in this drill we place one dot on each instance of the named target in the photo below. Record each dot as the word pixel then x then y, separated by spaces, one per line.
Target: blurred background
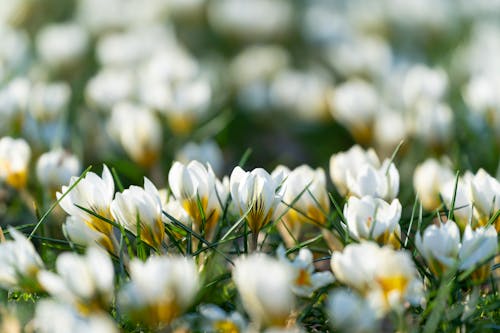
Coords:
pixel 136 84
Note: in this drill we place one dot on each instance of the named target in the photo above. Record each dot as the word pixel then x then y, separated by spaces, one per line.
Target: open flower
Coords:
pixel 160 289
pixel 387 278
pixel 439 246
pixel 85 282
pixel 216 320
pixel 265 287
pixel 373 218
pixel 200 192
pixel 255 196
pixel 19 263
pixel 305 200
pixel 14 158
pixel 140 211
pixel 93 193
pixel 305 280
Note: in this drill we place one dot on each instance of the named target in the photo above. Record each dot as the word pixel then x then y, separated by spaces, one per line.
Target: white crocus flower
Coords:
pixel 350 312
pixel 477 246
pixel 373 218
pixel 424 83
pixel 305 200
pixel 380 182
pixel 86 282
pixel 354 104
pixel 56 317
pixel 265 287
pixel 200 192
pixel 138 131
pixel 217 320
pixel 14 158
pixel 385 276
pixel 19 263
pixel 205 152
pixel 140 211
pixel 160 289
pixel 463 208
pixel 485 194
pixel 56 167
pixel 95 194
pixel 428 179
pixel 255 196
pixel 48 101
pixel 77 231
pixel 439 246
pixel 306 281
pixel 350 163
pixel 62 44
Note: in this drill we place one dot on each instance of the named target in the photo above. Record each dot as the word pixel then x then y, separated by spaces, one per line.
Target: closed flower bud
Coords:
pixel 14 158
pixel 140 211
pixel 55 168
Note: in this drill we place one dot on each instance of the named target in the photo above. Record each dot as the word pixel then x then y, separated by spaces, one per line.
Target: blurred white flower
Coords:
pixel 62 44
pixel 206 152
pixel 482 97
pixel 428 179
pixel 55 317
pixel 160 289
pixel 265 288
pixel 109 87
pixel 354 104
pixel 477 246
pixel 48 101
pixel 19 263
pixel 14 50
pixel 389 129
pixel 56 167
pixel 138 131
pixel 304 189
pixel 348 312
pixel 251 21
pixel 359 55
pixel 93 193
pixel 485 195
pixel 424 83
pixel 197 188
pixel 462 211
pixel 254 194
pixel 14 159
pixel 350 163
pixel 257 63
pixel 302 92
pixel 216 320
pixel 384 276
pixel 85 282
pixel 140 211
pixel 439 246
pixel 131 47
pixel 305 281
pixel 432 122
pixel 375 219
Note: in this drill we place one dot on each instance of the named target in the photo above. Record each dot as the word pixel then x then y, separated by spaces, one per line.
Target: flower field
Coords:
pixel 241 166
